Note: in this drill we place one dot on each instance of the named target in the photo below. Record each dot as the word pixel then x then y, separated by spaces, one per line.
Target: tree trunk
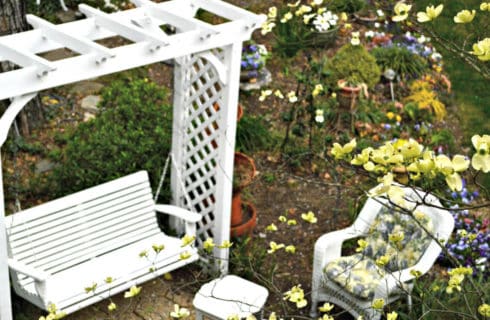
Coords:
pixel 13 20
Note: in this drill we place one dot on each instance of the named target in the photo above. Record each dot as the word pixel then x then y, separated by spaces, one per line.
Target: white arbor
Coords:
pixel 206 85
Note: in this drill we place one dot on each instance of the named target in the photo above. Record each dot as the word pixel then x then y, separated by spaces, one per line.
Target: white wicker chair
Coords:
pixel 393 285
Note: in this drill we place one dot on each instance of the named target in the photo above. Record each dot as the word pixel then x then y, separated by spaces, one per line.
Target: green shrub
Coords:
pixel 132 132
pixel 354 64
pixel 401 60
pixel 348 6
pixel 252 134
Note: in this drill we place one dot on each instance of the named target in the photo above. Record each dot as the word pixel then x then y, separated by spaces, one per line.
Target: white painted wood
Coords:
pixel 5 299
pixel 26 59
pixel 220 299
pixel 76 43
pixel 205 75
pixel 60 247
pixel 123 28
pixel 175 19
pixel 226 141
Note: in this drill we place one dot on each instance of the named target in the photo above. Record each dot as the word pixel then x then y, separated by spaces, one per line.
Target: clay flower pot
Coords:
pixel 348 94
pixel 243 174
pixel 248 223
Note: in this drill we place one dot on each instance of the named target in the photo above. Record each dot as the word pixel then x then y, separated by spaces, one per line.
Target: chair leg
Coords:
pixel 409 302
pixel 314 308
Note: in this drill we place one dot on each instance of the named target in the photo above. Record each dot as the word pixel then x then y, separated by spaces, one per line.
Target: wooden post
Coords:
pixel 232 58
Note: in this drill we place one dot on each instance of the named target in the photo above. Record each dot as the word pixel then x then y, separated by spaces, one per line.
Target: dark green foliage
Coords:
pixel 348 6
pixel 132 132
pixel 252 134
pixel 401 60
pixel 354 64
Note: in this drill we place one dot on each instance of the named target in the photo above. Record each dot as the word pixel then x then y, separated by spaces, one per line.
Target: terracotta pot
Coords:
pixel 348 95
pixel 244 170
pixel 249 221
pixel 236 209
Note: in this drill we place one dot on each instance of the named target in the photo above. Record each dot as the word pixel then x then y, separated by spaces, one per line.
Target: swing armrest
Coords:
pixel 178 212
pixel 29 271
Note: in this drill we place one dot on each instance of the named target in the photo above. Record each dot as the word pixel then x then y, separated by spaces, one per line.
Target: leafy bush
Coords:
pixel 354 64
pixel 348 6
pixel 401 60
pixel 132 132
pixel 252 134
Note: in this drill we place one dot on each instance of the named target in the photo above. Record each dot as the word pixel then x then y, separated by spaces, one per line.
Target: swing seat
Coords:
pixel 61 247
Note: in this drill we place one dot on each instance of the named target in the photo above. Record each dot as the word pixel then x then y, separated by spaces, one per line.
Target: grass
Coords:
pixel 471 94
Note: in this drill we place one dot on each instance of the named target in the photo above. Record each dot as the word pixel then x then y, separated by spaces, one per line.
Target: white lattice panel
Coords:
pixel 200 150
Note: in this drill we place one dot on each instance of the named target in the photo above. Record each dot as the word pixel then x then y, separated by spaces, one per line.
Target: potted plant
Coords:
pixel 254 74
pixel 244 172
pixel 301 25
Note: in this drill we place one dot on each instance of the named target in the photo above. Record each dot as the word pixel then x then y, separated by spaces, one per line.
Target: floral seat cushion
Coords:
pixel 395 241
pixel 357 274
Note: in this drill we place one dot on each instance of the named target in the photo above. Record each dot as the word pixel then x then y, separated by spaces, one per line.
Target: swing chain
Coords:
pixel 162 177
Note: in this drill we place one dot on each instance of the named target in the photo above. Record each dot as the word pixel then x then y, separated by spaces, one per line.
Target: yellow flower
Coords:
pixel 390 115
pixel 282 218
pixel 454 182
pixel 481 159
pixel 302 10
pixel 272 13
pixel 233 317
pixel 91 288
pixel 133 291
pixel 383 260
pixel 271 227
pixel 179 313
pixel 326 317
pixel 290 249
pixel 415 273
pixel 430 13
pixel 292 97
pixel 187 240
pixel 274 247
pixel 278 94
pixel 272 316
pixel 484 310
pixel 401 11
pixel 264 94
pixel 111 307
pixel 267 27
pixel 208 245
pixel 481 49
pixel 355 41
pixel 343 16
pixel 464 16
pixel 309 217
pixel 225 245
pixel 316 2
pixel 339 151
pixel 158 247
pixel 297 296
pixel 108 280
pixel 292 222
pixel 391 316
pixel 286 17
pixel 317 90
pixel 362 244
pixel 185 255
pixel 396 237
pixel 327 307
pixel 485 6
pixel 378 304
pixel 143 254
pixel 293 5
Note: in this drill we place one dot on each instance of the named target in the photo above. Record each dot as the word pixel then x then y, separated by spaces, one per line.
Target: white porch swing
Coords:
pixel 55 249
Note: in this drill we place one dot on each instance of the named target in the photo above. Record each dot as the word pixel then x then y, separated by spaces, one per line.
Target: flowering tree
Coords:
pixel 474 49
